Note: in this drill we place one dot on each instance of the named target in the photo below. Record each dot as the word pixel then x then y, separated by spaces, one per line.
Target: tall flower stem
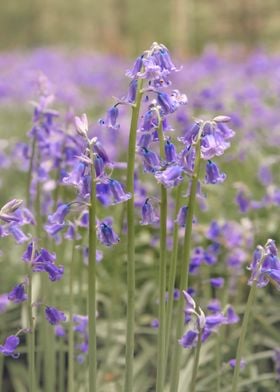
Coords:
pixel 172 272
pixel 31 336
pixel 92 280
pixel 184 271
pixel 218 362
pixel 71 332
pixel 195 364
pixel 241 342
pixel 161 346
pixel 128 384
pixel 30 170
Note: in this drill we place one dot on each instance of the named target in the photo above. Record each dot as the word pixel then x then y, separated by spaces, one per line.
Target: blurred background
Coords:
pixel 128 26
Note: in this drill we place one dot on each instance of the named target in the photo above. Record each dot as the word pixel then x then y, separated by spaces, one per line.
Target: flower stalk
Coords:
pixel 249 305
pixel 92 279
pixel 128 383
pixel 184 272
pixel 161 346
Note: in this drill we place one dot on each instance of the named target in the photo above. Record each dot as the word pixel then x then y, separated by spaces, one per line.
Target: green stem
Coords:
pixel 92 281
pixel 172 273
pixel 31 336
pixel 1 372
pixel 71 332
pixel 218 362
pixel 241 342
pixel 30 170
pixel 195 364
pixel 162 278
pixel 184 272
pixel 129 353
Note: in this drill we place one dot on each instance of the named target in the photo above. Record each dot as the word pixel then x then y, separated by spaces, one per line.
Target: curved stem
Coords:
pixel 92 280
pixel 195 364
pixel 244 326
pixel 162 278
pixel 184 273
pixel 129 352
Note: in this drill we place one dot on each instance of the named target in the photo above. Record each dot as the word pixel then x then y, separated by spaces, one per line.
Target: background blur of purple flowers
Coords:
pixel 238 205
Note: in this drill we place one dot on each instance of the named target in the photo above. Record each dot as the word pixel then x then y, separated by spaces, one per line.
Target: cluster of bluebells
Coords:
pixel 38 260
pixel 13 216
pixel 265 265
pixel 201 326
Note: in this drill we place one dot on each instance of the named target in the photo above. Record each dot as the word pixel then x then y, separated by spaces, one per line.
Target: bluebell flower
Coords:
pixel 151 160
pixel 4 302
pixel 17 233
pixel 148 214
pixel 204 325
pixel 213 175
pixel 76 175
pixel 265 265
pixel 106 235
pixel 111 119
pixel 132 90
pixel 100 150
pixel 99 166
pixel 170 177
pixel 17 294
pixel 54 316
pixel 144 140
pixel 170 152
pixel 243 201
pixel 155 324
pixel 59 330
pixel 232 363
pixel 136 68
pixel 182 216
pixel 9 347
pixel 118 193
pixel 59 215
pixel 217 282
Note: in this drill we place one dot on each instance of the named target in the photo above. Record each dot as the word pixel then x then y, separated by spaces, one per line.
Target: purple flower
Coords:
pixel 106 235
pixel 170 152
pixel 9 347
pixel 217 282
pixel 243 201
pixel 17 295
pixel 189 339
pixel 54 316
pixel 148 214
pixel 182 216
pixel 17 233
pixel 213 175
pixel 59 215
pixel 117 191
pixel 59 330
pixel 4 302
pixel 150 159
pixel 111 119
pixel 6 212
pixel 265 265
pixel 155 324
pixel 99 166
pixel 54 228
pixel 232 363
pixel 170 177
